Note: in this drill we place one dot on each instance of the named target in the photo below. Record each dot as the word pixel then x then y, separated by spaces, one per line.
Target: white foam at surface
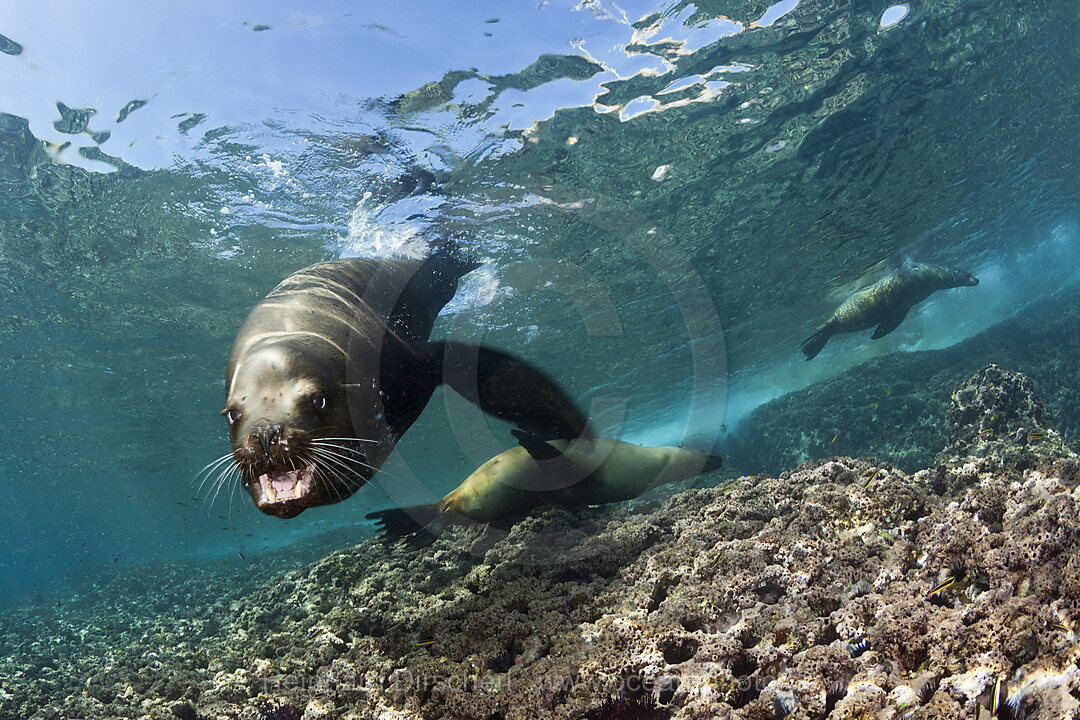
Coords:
pixel 368 237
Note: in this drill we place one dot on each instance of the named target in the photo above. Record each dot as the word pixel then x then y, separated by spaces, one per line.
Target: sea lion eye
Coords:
pixel 319 401
pixel 232 415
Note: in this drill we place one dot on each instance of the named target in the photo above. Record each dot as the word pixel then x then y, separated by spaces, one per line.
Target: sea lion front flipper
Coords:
pixel 889 324
pixel 559 471
pixel 536 445
pixel 418 525
pixel 508 388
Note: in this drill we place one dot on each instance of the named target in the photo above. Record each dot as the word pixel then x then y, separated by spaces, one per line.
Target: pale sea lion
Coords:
pixel 887 302
pixel 335 364
pixel 587 471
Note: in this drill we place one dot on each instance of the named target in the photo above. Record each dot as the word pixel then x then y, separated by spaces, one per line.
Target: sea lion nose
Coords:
pixel 266 433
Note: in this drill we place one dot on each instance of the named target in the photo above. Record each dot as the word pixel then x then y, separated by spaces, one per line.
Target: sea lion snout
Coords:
pixel 961 278
pixel 266 433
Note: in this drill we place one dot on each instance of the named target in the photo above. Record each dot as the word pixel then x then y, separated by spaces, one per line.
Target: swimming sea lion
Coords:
pixel 587 471
pixel 335 364
pixel 886 302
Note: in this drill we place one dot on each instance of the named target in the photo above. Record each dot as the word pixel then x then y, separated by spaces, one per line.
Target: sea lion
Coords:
pixel 587 471
pixel 886 302
pixel 335 364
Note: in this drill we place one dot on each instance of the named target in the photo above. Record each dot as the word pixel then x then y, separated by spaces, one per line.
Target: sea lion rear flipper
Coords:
pixel 508 388
pixel 889 324
pixel 812 345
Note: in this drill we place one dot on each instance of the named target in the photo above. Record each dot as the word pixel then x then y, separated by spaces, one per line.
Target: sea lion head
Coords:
pixel 960 278
pixel 290 428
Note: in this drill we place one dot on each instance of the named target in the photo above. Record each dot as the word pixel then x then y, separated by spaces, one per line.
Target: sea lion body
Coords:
pixel 592 471
pixel 334 364
pixel 886 303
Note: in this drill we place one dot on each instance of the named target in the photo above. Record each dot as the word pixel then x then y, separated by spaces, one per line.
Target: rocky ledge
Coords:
pixel 843 589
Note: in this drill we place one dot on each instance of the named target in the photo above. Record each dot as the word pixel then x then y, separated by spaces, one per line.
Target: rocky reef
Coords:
pixel 844 588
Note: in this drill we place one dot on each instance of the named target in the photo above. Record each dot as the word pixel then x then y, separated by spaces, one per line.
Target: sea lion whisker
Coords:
pixel 343 447
pixel 350 439
pixel 340 463
pixel 228 476
pixel 356 458
pixel 225 477
pixel 209 469
pixel 319 476
pixel 325 451
pixel 219 478
pixel 216 488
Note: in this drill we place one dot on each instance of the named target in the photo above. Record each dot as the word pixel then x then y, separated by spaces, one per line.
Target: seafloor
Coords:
pixel 810 595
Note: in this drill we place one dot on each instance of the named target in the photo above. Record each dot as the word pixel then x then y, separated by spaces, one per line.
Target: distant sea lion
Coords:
pixel 335 364
pixel 886 302
pixel 590 471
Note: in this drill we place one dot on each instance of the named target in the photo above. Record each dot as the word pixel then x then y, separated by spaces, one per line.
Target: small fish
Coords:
pixel 781 708
pixel 834 437
pixel 116 559
pixel 423 642
pixel 987 432
pixel 999 697
pixel 726 485
pixel 177 502
pixel 392 626
pixel 241 556
pixel 946 583
pixel 872 478
pixel 1060 627
pixel 1034 437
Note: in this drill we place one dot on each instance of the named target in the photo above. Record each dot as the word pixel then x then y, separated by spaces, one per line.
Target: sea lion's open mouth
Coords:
pixel 284 493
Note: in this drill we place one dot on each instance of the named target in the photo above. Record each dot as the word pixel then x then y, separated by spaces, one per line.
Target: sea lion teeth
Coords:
pixel 334 365
pixel 886 303
pixel 268 488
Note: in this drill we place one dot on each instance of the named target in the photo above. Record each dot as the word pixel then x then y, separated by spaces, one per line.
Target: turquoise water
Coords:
pixel 667 198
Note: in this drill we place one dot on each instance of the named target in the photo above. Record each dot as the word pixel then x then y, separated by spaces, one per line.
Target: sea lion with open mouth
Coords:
pixel 335 364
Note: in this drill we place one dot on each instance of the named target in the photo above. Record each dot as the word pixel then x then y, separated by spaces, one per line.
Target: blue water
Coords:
pixel 667 198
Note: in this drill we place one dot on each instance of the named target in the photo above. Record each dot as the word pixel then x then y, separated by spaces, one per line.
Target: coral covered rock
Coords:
pixel 845 588
pixel 997 413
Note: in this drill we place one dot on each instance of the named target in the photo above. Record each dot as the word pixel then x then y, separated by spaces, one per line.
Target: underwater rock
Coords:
pixel 844 588
pixel 997 413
